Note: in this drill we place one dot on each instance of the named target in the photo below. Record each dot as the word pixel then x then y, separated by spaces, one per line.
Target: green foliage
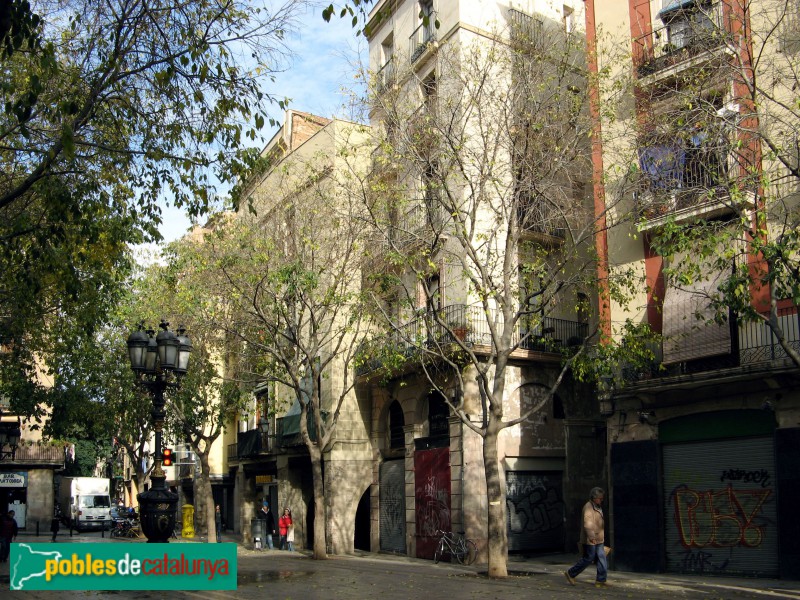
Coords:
pixel 87 455
pixel 105 110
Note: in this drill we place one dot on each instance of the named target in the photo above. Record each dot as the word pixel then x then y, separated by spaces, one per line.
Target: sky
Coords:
pixel 325 63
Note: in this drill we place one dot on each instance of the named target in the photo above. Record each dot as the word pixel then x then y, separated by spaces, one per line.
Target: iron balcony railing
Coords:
pixel 754 343
pixel 249 444
pixel 470 325
pixel 689 183
pixel 681 39
pixel 526 28
pixel 536 217
pixel 386 76
pixel 39 454
pixel 423 36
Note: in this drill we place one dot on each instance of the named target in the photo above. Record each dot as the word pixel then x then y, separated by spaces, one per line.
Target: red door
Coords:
pixel 432 497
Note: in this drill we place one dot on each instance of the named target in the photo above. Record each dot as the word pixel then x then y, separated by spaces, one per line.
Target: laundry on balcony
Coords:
pixel 663 166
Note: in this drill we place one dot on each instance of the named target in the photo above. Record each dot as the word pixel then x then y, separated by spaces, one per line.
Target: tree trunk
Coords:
pixel 497 535
pixel 320 524
pixel 205 496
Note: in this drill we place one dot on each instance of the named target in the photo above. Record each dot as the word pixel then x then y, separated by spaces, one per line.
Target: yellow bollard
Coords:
pixel 188 521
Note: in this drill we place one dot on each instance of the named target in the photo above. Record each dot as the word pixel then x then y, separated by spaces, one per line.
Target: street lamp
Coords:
pixel 159 362
pixel 9 436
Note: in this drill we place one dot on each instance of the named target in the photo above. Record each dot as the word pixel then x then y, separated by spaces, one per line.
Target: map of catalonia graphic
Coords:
pixel 30 564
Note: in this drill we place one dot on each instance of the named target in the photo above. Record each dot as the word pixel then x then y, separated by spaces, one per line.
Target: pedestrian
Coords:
pixel 218 523
pixel 284 524
pixel 269 525
pixel 54 527
pixel 592 540
pixel 6 535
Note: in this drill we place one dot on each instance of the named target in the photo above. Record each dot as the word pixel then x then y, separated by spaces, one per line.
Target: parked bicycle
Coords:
pixel 125 528
pixel 457 546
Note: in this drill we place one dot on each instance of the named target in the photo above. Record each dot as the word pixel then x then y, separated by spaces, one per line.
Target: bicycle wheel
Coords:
pixel 437 555
pixel 471 552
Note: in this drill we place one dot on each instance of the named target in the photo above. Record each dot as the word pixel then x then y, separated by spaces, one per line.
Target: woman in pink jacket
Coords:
pixel 284 525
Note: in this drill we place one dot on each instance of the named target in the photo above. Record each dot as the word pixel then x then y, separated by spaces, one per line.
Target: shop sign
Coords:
pixel 264 479
pixel 14 480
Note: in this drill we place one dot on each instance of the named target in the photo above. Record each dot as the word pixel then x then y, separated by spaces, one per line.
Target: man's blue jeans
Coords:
pixel 269 540
pixel 590 554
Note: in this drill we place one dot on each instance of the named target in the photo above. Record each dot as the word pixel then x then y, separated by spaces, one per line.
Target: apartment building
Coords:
pixel 703 442
pixel 302 202
pixel 28 467
pixel 482 267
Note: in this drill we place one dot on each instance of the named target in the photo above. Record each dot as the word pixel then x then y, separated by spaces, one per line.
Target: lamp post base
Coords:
pixel 157 512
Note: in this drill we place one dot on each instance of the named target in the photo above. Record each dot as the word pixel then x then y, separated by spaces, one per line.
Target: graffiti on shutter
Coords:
pixel 535 506
pixel 720 507
pixel 393 507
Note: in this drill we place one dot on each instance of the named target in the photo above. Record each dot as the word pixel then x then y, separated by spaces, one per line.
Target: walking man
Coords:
pixel 592 540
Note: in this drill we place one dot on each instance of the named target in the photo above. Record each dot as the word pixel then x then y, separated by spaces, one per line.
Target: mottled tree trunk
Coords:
pixel 204 499
pixel 497 543
pixel 320 525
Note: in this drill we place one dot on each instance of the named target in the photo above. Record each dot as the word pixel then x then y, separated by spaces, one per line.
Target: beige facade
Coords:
pixel 429 467
pixel 704 110
pixel 311 160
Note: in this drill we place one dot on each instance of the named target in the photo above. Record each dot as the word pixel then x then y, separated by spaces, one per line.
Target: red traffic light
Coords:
pixel 166 457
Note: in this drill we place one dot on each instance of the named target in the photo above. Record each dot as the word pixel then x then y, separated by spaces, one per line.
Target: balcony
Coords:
pixel 38 454
pixel 470 325
pixel 753 348
pixel 526 29
pixel 687 35
pixel 682 182
pixel 250 444
pixel 540 222
pixel 422 39
pixel 385 77
pixel 412 226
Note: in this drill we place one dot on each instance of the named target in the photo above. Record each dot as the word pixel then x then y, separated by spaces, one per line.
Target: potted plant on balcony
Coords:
pixel 460 328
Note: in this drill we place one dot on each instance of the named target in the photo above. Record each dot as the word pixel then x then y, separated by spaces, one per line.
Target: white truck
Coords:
pixel 85 502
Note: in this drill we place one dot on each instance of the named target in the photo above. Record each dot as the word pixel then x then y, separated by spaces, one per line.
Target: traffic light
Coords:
pixel 166 457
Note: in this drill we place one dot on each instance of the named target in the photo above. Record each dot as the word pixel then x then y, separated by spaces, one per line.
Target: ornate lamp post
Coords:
pixel 159 363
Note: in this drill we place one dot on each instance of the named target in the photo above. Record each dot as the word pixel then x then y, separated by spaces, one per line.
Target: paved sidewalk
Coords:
pixel 364 574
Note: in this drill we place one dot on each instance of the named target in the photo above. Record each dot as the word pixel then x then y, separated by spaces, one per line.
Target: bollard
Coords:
pixel 103 530
pixel 37 528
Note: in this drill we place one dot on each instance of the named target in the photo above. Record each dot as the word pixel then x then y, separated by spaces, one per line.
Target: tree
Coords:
pixel 722 138
pixel 287 280
pixel 109 109
pixel 200 409
pixel 484 185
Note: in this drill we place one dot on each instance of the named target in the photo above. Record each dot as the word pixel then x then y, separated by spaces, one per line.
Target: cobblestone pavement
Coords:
pixel 295 576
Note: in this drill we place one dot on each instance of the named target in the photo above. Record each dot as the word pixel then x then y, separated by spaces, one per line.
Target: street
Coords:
pixel 295 576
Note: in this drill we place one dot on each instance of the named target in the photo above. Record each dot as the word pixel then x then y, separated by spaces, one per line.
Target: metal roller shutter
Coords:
pixel 720 507
pixel 393 507
pixel 535 506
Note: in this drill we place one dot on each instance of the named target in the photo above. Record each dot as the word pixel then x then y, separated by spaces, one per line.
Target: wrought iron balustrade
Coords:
pixel 470 324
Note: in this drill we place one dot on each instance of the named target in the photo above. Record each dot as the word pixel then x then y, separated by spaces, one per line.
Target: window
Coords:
pixel 438 413
pixel 386 74
pixel 424 34
pixel 688 22
pixel 432 292
pixel 397 437
pixel 568 19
